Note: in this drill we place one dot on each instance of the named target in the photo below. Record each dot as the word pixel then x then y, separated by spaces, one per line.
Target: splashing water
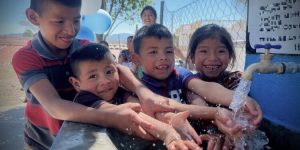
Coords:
pixel 249 139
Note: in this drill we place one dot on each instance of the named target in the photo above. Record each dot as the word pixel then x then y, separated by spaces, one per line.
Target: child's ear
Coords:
pixel 32 16
pixel 75 82
pixel 136 59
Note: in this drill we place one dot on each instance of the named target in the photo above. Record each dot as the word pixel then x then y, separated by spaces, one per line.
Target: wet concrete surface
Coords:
pixel 11 129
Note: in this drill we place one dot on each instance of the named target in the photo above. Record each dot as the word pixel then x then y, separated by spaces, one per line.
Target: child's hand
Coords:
pixel 214 142
pixel 253 110
pixel 183 127
pixel 173 141
pixel 131 122
pixel 224 122
pixel 153 103
pixel 183 145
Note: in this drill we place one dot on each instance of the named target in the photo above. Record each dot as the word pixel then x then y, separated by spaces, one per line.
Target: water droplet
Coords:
pixel 153 144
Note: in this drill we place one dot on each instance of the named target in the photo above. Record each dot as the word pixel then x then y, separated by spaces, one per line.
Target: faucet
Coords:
pixel 266 66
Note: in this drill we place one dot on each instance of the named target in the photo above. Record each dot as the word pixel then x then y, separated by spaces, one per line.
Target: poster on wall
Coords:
pixel 276 22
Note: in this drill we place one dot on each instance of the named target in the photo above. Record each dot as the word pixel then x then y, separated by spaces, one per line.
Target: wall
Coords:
pixel 278 95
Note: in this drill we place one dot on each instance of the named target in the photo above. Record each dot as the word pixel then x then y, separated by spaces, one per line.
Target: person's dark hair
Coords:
pixel 212 31
pixel 90 52
pixel 147 7
pixel 104 43
pixel 155 30
pixel 129 37
pixel 39 5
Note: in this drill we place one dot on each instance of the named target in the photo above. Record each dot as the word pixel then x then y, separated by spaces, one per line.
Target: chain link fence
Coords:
pixel 230 14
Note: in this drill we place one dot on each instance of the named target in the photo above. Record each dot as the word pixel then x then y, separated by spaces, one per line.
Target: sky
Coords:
pixel 13 19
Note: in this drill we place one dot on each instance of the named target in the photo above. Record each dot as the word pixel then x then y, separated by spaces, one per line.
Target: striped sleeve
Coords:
pixel 28 67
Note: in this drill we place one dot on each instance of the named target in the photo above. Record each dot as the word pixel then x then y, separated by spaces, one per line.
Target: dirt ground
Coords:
pixel 11 97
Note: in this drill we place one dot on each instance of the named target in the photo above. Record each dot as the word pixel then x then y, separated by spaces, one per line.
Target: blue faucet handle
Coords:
pixel 267 46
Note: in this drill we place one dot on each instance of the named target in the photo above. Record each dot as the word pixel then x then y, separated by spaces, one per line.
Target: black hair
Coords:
pixel 39 5
pixel 155 30
pixel 129 37
pixel 90 52
pixel 104 43
pixel 211 31
pixel 148 7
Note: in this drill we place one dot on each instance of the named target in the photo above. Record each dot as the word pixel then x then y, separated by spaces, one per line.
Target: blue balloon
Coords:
pixel 85 33
pixel 99 23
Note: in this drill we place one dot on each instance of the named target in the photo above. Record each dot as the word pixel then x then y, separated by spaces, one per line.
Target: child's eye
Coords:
pixel 92 76
pixel 76 21
pixel 202 51
pixel 223 50
pixel 109 72
pixel 171 50
pixel 153 52
pixel 59 21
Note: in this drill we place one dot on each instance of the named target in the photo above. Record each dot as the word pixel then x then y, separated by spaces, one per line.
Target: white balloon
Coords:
pixel 89 7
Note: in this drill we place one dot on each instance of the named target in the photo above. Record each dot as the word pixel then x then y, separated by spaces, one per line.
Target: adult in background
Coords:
pixel 149 16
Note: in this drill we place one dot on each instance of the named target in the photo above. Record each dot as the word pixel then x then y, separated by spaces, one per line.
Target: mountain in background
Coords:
pixel 120 38
pixel 12 35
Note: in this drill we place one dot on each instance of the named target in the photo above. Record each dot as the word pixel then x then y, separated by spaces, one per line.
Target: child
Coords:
pixel 125 55
pixel 97 81
pixel 154 51
pixel 42 66
pixel 211 50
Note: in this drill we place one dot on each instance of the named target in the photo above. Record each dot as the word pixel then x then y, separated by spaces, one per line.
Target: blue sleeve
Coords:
pixel 185 75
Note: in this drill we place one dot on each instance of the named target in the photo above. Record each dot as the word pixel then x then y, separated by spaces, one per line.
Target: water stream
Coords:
pixel 250 139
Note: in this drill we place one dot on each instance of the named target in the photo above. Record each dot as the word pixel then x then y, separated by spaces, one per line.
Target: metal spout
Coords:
pixel 266 66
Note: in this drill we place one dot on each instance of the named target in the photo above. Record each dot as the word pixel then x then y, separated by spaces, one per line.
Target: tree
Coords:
pixel 27 33
pixel 28 25
pixel 123 10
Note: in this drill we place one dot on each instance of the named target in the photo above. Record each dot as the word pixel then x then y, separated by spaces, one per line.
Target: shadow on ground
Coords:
pixel 11 129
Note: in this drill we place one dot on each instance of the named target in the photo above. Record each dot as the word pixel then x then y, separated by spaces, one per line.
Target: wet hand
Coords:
pixel 183 127
pixel 153 103
pixel 183 145
pixel 126 119
pixel 225 123
pixel 253 110
pixel 214 142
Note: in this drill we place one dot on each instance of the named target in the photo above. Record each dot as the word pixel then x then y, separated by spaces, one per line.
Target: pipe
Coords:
pixel 265 66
